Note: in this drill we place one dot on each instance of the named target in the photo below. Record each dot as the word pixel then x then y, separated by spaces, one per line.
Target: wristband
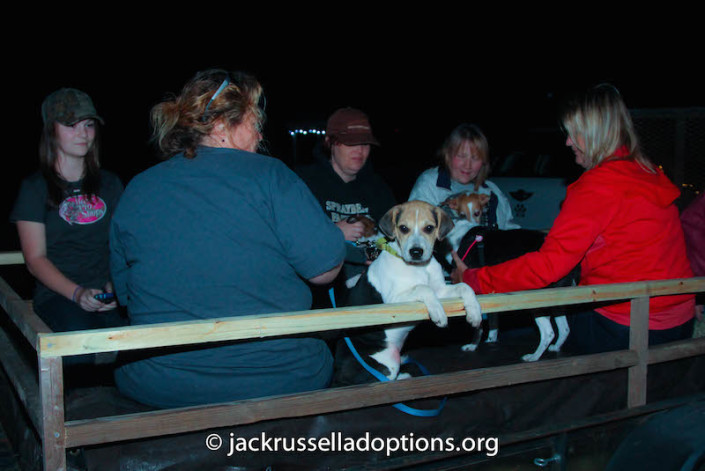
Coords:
pixel 73 297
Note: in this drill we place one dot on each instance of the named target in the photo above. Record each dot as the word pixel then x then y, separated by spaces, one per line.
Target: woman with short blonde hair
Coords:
pixel 464 167
pixel 603 123
pixel 471 135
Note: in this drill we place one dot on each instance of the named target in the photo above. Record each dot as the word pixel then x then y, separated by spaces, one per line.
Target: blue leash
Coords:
pixel 400 406
pixel 380 377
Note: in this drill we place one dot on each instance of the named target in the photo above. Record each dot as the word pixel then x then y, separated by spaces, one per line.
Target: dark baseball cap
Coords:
pixel 68 106
pixel 351 127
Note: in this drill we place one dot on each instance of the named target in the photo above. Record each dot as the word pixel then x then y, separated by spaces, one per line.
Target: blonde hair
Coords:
pixel 474 136
pixel 602 120
pixel 181 122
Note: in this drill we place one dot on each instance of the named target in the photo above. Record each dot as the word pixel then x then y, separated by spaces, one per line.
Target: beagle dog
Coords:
pixel 405 271
pixel 469 206
pixel 497 246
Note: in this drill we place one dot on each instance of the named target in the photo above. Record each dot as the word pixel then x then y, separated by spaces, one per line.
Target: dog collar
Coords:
pixel 383 244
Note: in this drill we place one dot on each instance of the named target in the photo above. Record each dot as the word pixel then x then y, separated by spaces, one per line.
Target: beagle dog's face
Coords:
pixel 469 206
pixel 416 226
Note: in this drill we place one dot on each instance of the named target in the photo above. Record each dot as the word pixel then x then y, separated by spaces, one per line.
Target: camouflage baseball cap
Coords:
pixel 68 106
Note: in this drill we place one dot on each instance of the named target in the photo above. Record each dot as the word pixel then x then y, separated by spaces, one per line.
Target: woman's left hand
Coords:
pixel 456 275
pixel 112 304
pixel 85 297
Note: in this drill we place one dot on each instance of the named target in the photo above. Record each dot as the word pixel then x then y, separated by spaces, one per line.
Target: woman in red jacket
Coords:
pixel 618 222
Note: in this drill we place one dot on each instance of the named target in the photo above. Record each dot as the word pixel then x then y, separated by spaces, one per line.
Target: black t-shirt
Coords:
pixel 76 232
pixel 368 194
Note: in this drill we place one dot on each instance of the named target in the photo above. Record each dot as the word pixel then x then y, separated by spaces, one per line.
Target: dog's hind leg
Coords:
pixel 351 282
pixel 563 331
pixel 493 321
pixel 546 331
pixel 390 358
pixel 476 338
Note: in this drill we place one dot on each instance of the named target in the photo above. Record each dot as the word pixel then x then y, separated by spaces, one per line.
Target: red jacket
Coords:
pixel 619 222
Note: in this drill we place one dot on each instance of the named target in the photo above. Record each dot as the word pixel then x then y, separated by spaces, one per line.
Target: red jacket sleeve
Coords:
pixel 574 231
pixel 470 278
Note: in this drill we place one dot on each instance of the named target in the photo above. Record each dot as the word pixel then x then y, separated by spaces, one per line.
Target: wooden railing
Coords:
pixel 44 399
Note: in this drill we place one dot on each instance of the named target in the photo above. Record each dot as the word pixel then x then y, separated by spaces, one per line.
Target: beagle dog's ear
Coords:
pixel 445 223
pixel 386 224
pixel 452 203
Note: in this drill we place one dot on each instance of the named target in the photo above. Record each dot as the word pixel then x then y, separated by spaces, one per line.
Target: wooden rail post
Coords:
pixel 51 390
pixel 638 342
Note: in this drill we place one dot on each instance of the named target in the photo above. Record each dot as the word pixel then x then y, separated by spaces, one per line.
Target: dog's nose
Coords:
pixel 416 253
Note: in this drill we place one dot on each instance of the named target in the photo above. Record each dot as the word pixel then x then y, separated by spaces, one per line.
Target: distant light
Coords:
pixel 305 132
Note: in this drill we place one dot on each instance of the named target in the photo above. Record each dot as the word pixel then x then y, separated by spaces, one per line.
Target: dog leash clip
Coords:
pixel 478 238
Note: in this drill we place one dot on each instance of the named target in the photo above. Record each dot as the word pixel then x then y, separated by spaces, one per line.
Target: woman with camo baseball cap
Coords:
pixel 63 215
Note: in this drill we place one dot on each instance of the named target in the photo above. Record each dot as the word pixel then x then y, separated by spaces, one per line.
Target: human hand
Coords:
pixel 699 312
pixel 351 231
pixel 456 275
pixel 108 288
pixel 85 297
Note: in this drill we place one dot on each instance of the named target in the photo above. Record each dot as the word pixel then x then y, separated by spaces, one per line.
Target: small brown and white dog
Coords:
pixel 369 225
pixel 469 204
pixel 405 272
pixel 500 246
pixel 469 207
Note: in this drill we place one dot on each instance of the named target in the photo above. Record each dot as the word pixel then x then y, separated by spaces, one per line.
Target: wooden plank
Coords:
pixel 588 294
pixel 11 258
pixel 22 377
pixel 639 343
pixel 19 311
pixel 677 350
pixel 271 325
pixel 233 328
pixel 53 436
pixel 165 422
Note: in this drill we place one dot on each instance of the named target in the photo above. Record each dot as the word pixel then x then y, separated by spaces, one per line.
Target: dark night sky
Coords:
pixel 415 92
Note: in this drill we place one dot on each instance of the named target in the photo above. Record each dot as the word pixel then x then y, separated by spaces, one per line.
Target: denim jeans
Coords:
pixel 591 332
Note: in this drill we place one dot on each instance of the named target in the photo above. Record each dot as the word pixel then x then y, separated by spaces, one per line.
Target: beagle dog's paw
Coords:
pixel 436 312
pixel 426 295
pixel 473 312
